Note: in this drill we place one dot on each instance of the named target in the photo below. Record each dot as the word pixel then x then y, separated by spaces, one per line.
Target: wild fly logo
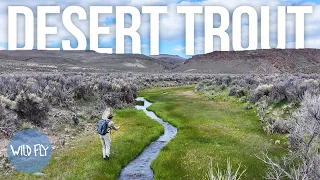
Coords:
pixel 25 150
pixel 29 151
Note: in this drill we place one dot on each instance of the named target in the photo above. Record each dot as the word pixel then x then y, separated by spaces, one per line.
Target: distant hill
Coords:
pixel 233 62
pixel 174 60
pixel 258 61
pixel 170 58
pixel 79 61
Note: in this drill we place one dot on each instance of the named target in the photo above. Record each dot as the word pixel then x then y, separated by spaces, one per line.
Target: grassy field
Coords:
pixel 207 129
pixel 83 159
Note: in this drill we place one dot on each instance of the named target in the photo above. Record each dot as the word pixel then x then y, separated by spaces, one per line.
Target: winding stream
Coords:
pixel 139 168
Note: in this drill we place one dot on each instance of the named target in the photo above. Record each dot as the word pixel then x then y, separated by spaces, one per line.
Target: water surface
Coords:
pixel 139 168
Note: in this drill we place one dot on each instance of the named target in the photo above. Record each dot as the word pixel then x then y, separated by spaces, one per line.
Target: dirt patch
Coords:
pixel 138 65
pixel 188 94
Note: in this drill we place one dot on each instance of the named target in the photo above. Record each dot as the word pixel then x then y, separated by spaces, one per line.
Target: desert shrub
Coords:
pixel 241 92
pixel 278 92
pixel 81 91
pixel 120 89
pixel 8 118
pixel 72 91
pixel 56 95
pixel 262 108
pixel 307 122
pixel 200 87
pixel 236 91
pixel 129 94
pixel 232 91
pixel 223 87
pixel 103 86
pixel 248 106
pixel 31 107
pixel 281 126
pixel 2 112
pixel 260 91
pixel 7 103
pixel 112 99
pixel 278 125
pixel 303 161
pixel 209 88
pixel 226 80
pixel 296 91
pixel 217 80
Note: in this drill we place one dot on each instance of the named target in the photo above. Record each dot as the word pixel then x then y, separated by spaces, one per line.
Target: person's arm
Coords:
pixel 113 126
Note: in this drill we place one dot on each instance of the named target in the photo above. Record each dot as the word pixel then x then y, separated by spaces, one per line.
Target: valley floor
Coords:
pixel 83 158
pixel 207 129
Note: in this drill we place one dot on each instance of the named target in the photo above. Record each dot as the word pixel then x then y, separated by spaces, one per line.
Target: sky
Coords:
pixel 172 25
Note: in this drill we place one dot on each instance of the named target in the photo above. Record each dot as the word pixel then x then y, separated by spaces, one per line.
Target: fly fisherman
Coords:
pixel 104 130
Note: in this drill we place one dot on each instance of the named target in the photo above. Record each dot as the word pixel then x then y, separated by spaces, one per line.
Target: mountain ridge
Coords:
pixel 256 61
pixel 219 62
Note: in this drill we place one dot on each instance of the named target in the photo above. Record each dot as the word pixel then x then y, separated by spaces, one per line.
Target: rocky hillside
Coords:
pixel 259 61
pixel 174 60
pixel 233 62
pixel 78 61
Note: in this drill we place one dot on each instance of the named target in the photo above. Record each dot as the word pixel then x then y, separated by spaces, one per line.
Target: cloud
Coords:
pixel 3 28
pixel 179 48
pixel 313 42
pixel 199 45
pixel 152 3
pixel 172 25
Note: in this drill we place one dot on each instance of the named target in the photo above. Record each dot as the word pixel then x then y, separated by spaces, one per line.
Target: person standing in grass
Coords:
pixel 105 135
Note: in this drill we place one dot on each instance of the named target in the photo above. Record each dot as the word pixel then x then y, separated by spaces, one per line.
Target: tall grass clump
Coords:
pixel 228 174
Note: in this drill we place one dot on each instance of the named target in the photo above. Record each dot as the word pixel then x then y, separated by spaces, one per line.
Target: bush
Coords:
pixel 226 80
pixel 247 106
pixel 259 92
pixel 236 91
pixel 262 108
pixel 8 118
pixel 200 87
pixel 278 125
pixel 32 108
pixel 232 91
pixel 2 112
pixel 223 87
pixel 303 161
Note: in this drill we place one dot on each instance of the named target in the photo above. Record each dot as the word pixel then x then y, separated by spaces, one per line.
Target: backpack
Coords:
pixel 103 127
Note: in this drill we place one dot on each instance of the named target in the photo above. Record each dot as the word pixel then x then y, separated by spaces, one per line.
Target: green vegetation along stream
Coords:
pixel 208 129
pixel 82 159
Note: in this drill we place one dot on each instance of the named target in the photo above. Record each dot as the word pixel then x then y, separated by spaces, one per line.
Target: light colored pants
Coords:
pixel 105 141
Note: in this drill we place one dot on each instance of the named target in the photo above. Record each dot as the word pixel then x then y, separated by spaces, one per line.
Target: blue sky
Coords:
pixel 172 28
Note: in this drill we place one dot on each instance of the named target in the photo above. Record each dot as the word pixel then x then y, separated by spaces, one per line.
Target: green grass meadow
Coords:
pixel 208 129
pixel 83 158
pixel 215 129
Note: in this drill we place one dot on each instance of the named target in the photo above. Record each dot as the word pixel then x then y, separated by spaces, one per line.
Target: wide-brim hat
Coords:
pixel 106 114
